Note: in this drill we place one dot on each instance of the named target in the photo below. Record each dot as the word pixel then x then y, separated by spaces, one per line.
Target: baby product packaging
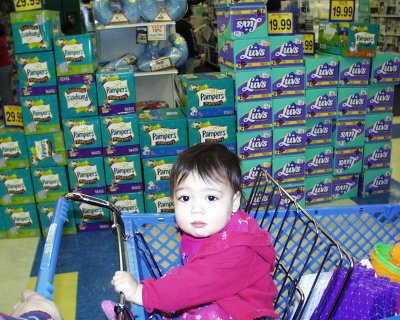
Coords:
pixel 34 30
pixel 288 82
pixel 376 182
pixel 16 187
pixel 46 211
pixel 287 51
pixel 254 144
pixel 254 116
pixel 262 199
pixel 83 137
pixel 75 54
pixel 288 170
pixel 349 132
pixel 281 202
pixel 251 168
pixel 385 68
pixel 162 132
pixel 3 229
pixel 377 155
pixel 380 98
pixel 116 90
pixel 128 203
pixel 318 189
pixel 78 96
pixel 348 160
pixel 319 132
pixel 289 141
pixel 352 102
pixel 322 71
pixel 321 103
pixel 91 218
pixel 156 172
pixel 123 174
pixel 40 114
pixel 37 73
pixel 158 202
pixel 378 127
pixel 13 149
pixel 290 112
pixel 46 149
pixel 248 22
pixel 49 183
pixel 21 221
pixel 345 186
pixel 243 55
pixel 208 94
pixel 87 176
pixel 354 72
pixel 221 130
pixel 319 161
pixel 120 135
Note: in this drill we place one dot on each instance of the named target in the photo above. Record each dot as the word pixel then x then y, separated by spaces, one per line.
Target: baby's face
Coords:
pixel 204 208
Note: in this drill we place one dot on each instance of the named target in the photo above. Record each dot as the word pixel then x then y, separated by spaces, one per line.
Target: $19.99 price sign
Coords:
pixel 308 43
pixel 13 116
pixel 341 10
pixel 25 5
pixel 280 23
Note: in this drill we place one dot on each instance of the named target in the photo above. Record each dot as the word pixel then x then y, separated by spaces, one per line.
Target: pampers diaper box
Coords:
pixel 376 182
pixel 128 203
pixel 349 132
pixel 319 161
pixel 377 155
pixel 289 141
pixel 162 132
pixel 319 132
pixel 380 98
pixel 78 96
pixel 321 103
pixel 208 94
pixel 83 137
pixel 156 173
pixel 21 221
pixel 254 144
pixel 49 183
pixel 3 230
pixel 13 149
pixel 289 170
pixel 37 73
pixel 345 186
pixel 288 82
pixel 16 187
pixel 34 30
pixel 40 114
pixel 287 51
pixel 123 174
pixel 290 112
pixel 46 211
pixel 46 149
pixel 322 71
pixel 352 102
pixel 91 218
pixel 158 202
pixel 76 54
pixel 254 116
pixel 116 90
pixel 318 189
pixel 354 72
pixel 251 168
pixel 348 160
pixel 385 68
pixel 378 127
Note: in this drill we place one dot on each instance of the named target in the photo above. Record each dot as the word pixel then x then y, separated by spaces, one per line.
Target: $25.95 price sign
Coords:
pixel 341 10
pixel 280 23
pixel 25 5
pixel 13 116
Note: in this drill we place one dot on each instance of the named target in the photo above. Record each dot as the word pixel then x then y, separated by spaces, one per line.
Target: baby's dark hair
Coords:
pixel 212 161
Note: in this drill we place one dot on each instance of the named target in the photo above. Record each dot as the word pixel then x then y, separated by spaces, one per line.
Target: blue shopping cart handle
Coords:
pixel 44 284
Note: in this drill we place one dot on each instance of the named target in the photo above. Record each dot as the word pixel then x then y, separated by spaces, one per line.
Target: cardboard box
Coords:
pixel 251 168
pixel 319 132
pixel 349 132
pixel 289 170
pixel 262 199
pixel 21 221
pixel 288 82
pixel 289 141
pixel 318 189
pixel 158 202
pixel 13 149
pixel 156 173
pixel 254 116
pixel 91 218
pixel 377 155
pixel 380 98
pixel 348 160
pixel 16 187
pixel 290 112
pixel 319 161
pixel 352 102
pixel 385 68
pixel 354 72
pixel 46 211
pixel 254 144
pixel 376 182
pixel 49 183
pixel 287 51
pixel 322 71
pixel 128 203
pixel 321 103
pixel 378 127
pixel 281 202
pixel 3 229
pixel 345 186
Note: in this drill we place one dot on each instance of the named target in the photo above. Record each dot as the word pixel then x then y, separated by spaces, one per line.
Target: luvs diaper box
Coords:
pixel 322 71
pixel 286 51
pixel 348 160
pixel 254 116
pixel 288 82
pixel 376 182
pixel 377 155
pixel 380 98
pixel 254 144
pixel 290 112
pixel 318 189
pixel 16 187
pixel 21 221
pixel 251 169
pixel 349 132
pixel 321 103
pixel 46 149
pixel 49 183
pixel 319 132
pixel 289 141
pixel 345 186
pixel 385 68
pixel 378 127
pixel 13 149
pixel 282 202
pixel 352 101
pixel 319 161
pixel 354 72
pixel 289 170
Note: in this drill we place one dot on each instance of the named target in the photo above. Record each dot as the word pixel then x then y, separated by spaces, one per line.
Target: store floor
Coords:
pixel 87 261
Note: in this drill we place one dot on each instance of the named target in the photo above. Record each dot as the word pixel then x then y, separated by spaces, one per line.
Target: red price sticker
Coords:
pixel 342 10
pixel 13 116
pixel 156 32
pixel 280 23
pixel 25 5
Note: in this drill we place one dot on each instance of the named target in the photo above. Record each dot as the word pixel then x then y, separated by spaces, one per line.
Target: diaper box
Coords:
pixel 375 182
pixel 3 229
pixel 243 55
pixel 75 54
pixel 40 114
pixel 345 186
pixel 321 103
pixel 348 160
pixel 220 129
pixel 254 144
pixel 322 71
pixel 116 90
pixel 282 202
pixel 380 98
pixel 156 173
pixel 290 112
pixel 378 127
pixel 352 102
pixel 162 132
pixel 34 30
pixel 377 155
pixel 385 68
pixel 49 183
pixel 37 73
pixel 78 96
pixel 288 82
pixel 87 176
pixel 13 149
pixel 83 137
pixel 319 132
pixel 46 149
pixel 158 202
pixel 254 116
pixel 120 135
pixel 354 72
pixel 91 218
pixel 208 94
pixel 318 189
pixel 287 51
pixel 21 221
pixel 128 203
pixel 318 161
pixel 262 199
pixel 123 174
pixel 46 211
pixel 289 141
pixel 238 22
pixel 251 168
pixel 289 170
pixel 16 187
pixel 349 132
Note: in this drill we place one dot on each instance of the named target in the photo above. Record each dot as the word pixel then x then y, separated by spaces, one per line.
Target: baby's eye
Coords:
pixel 212 198
pixel 183 198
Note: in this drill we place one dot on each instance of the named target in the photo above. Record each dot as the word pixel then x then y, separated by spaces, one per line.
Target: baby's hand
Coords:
pixel 125 282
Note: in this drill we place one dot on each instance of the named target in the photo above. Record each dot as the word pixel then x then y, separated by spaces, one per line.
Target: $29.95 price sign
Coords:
pixel 25 5
pixel 13 116
pixel 341 10
pixel 280 23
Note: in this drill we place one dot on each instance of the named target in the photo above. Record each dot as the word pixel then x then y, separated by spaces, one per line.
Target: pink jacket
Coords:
pixel 231 268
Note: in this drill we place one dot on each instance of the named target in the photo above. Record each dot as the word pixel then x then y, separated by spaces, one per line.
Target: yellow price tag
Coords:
pixel 13 116
pixel 280 23
pixel 308 43
pixel 25 5
pixel 341 10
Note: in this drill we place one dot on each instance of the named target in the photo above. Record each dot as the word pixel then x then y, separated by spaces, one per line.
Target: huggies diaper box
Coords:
pixel 376 182
pixel 319 132
pixel 385 68
pixel 251 168
pixel 380 98
pixel 158 202
pixel 321 103
pixel 76 54
pixel 290 112
pixel 46 149
pixel 377 155
pixel 13 149
pixel 254 116
pixel 208 94
pixel 288 170
pixel 354 72
pixel 348 160
pixel 49 183
pixel 281 202
pixel 34 30
pixel 318 189
pixel 156 173
pixel 21 221
pixel 378 127
pixel 352 101
pixel 345 186
pixel 128 203
pixel 91 218
pixel 83 137
pixel 287 51
pixel 16 187
pixel 322 71
pixel 78 96
pixel 40 114
pixel 319 161
pixel 288 82
pixel 254 144
pixel 46 211
pixel 349 132
pixel 289 141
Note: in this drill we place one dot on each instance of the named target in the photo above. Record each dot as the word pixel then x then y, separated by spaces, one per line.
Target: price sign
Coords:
pixel 308 42
pixel 25 5
pixel 280 23
pixel 13 116
pixel 341 10
pixel 156 32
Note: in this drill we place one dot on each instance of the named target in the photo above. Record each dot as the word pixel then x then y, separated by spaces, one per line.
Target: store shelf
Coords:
pixel 156 73
pixel 136 25
pixel 385 15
